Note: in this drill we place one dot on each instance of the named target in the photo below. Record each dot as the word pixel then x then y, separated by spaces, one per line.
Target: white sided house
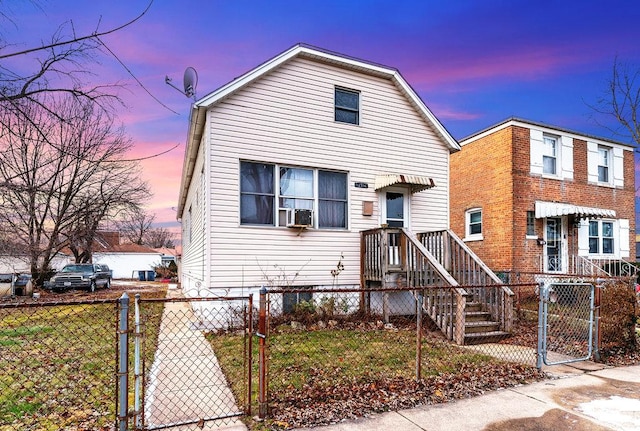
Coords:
pixel 287 165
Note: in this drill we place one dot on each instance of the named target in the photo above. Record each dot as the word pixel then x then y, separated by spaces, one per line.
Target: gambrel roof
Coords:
pixel 200 107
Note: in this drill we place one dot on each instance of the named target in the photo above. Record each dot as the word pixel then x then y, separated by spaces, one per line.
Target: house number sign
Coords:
pixel 362 185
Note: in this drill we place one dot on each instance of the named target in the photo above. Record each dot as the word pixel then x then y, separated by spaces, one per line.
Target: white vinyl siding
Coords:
pixel 193 222
pixel 287 118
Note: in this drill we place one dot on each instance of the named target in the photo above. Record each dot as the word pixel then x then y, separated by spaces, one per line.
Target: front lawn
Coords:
pixel 58 365
pixel 323 376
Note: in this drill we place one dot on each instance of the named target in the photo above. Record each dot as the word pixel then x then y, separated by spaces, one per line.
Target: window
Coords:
pixel 296 190
pixel 332 199
pixel 256 194
pixel 600 237
pixel 474 224
pixel 292 300
pixel 604 163
pixel 549 155
pixel 189 222
pixel 323 192
pixel 347 106
pixel 531 223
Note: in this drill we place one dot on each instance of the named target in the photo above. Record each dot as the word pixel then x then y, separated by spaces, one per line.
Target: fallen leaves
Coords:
pixel 329 397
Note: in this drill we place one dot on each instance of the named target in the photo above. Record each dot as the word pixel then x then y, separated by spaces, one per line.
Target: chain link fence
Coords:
pixel 307 356
pixel 568 321
pixel 57 364
pixel 179 380
pixel 341 353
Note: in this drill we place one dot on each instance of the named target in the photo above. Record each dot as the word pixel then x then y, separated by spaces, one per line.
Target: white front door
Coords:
pixel 395 214
pixel 555 249
pixel 395 208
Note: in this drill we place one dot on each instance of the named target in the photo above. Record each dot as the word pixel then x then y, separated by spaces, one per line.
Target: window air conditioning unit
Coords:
pixel 299 217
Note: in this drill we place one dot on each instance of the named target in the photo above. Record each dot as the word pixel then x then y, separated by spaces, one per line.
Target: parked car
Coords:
pixel 88 276
pixel 6 285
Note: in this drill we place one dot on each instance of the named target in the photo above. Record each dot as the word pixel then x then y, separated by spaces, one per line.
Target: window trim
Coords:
pixel 473 236
pixel 277 197
pixel 349 109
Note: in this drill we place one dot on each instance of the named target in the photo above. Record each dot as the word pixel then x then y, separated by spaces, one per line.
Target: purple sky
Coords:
pixel 473 62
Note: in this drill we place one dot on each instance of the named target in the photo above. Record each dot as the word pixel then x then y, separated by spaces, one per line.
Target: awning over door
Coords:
pixel 555 209
pixel 416 183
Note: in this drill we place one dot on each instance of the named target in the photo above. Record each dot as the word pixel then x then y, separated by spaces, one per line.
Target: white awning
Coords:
pixel 416 183
pixel 555 209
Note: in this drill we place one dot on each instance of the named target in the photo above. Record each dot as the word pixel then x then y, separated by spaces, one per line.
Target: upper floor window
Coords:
pixel 550 155
pixel 604 164
pixel 347 106
pixel 473 223
pixel 601 237
pixel 265 198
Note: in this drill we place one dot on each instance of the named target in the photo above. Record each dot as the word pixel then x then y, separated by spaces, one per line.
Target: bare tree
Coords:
pixel 159 237
pixel 62 177
pixel 622 101
pixel 61 66
pixel 59 61
pixel 134 224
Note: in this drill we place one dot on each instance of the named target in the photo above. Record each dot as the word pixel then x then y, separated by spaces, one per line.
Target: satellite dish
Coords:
pixel 190 82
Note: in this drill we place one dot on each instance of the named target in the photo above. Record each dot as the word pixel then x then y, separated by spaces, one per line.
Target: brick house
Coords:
pixel 529 198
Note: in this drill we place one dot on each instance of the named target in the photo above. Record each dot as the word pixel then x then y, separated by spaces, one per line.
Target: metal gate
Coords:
pixel 566 322
pixel 174 376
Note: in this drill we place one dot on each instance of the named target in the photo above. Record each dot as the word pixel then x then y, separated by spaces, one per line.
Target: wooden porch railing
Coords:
pixel 470 271
pixel 436 266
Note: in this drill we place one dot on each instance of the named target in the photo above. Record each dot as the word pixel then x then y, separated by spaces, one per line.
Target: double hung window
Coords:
pixel 550 155
pixel 473 224
pixel 347 106
pixel 601 237
pixel 604 163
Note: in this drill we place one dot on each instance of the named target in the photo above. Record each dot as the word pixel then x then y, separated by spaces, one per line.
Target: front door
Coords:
pixel 395 212
pixel 554 247
pixel 395 208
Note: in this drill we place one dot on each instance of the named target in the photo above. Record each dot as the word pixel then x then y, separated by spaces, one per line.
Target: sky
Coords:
pixel 473 62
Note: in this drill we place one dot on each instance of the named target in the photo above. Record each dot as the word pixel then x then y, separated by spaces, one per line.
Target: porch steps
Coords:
pixel 478 326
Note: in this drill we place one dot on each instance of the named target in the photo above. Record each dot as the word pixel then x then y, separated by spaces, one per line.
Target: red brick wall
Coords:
pixel 481 176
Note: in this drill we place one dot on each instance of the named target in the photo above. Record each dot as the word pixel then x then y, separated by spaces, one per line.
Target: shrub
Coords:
pixel 618 315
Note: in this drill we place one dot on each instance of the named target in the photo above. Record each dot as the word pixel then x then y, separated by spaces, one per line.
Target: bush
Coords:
pixel 169 270
pixel 618 315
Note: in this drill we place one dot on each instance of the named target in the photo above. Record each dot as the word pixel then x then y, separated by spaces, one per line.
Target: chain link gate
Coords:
pixel 566 322
pixel 173 375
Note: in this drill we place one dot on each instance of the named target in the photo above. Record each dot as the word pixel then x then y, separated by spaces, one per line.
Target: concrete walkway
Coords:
pixel 582 397
pixel 186 383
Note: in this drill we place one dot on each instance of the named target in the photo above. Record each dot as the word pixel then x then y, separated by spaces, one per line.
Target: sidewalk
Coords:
pixel 186 382
pixel 584 396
